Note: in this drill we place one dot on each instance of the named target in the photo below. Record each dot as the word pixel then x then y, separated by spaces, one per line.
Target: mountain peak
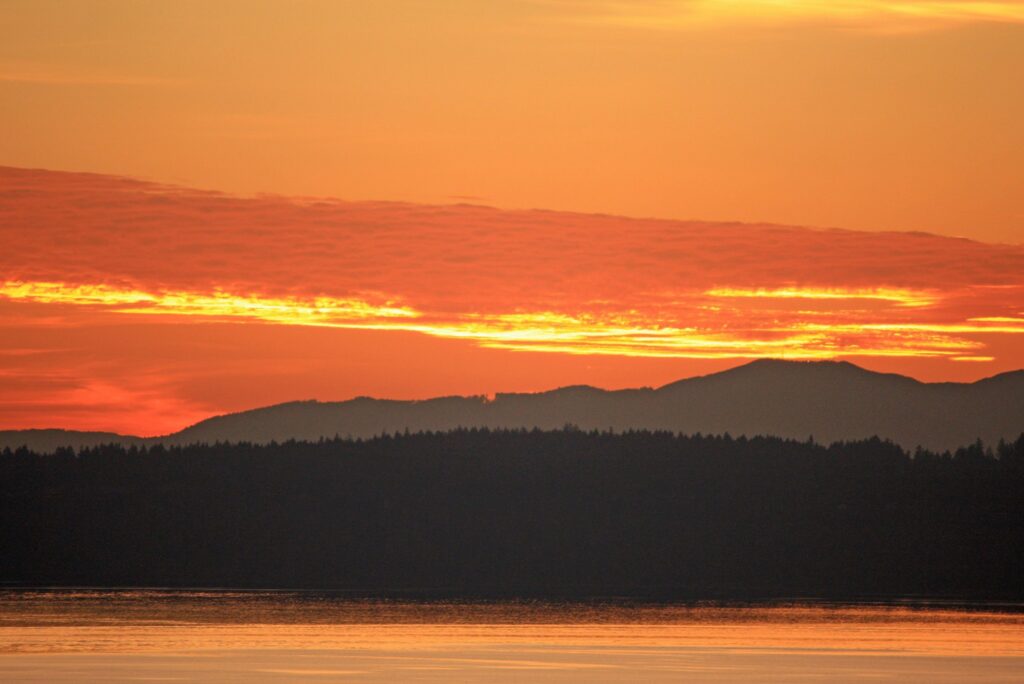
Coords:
pixel 777 363
pixel 762 370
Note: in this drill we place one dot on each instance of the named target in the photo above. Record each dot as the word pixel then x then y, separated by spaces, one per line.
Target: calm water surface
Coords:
pixel 218 636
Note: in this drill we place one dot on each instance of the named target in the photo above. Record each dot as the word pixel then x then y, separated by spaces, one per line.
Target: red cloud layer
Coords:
pixel 518 280
pixel 86 228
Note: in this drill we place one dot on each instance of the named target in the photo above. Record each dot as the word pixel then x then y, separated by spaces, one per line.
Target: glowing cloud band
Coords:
pixel 865 13
pixel 901 297
pixel 290 311
pixel 729 334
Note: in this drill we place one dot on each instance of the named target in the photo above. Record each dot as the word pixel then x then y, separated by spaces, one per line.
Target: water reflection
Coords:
pixel 274 636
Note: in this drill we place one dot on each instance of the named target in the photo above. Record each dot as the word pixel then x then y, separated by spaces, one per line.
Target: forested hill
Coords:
pixel 830 400
pixel 566 513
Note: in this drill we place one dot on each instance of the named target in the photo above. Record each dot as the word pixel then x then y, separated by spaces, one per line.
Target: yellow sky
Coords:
pixel 867 114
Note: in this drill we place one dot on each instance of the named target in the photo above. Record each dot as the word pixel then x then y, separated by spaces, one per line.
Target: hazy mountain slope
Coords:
pixel 50 440
pixel 834 401
pixel 827 400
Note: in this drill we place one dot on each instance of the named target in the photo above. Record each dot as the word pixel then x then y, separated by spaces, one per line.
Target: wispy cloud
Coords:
pixel 884 15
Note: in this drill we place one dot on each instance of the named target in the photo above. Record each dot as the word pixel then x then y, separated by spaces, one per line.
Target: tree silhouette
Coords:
pixel 565 513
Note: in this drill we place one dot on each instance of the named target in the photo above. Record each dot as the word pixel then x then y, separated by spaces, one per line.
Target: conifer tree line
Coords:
pixel 517 513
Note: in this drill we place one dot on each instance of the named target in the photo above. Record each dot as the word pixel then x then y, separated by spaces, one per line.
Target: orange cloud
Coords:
pixel 873 14
pixel 325 311
pixel 881 294
pixel 526 280
pixel 84 251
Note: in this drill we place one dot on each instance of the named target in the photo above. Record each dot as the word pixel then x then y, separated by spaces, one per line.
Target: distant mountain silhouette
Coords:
pixel 45 441
pixel 828 400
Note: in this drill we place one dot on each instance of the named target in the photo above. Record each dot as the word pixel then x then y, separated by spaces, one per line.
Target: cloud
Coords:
pixel 151 295
pixel 884 15
pixel 522 280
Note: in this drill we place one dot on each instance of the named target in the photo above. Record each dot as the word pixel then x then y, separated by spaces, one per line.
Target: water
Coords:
pixel 221 636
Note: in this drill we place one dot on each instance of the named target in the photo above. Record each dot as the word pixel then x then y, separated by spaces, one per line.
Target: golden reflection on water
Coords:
pixel 46 636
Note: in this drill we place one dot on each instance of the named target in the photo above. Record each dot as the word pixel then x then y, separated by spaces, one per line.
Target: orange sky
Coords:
pixel 862 114
pixel 140 306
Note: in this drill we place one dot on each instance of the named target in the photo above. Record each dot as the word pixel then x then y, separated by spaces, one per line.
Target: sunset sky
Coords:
pixel 212 206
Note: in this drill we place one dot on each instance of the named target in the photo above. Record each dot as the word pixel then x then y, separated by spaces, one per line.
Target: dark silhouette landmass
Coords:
pixel 48 441
pixel 568 513
pixel 830 400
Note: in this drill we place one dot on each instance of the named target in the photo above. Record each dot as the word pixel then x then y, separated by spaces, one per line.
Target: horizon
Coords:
pixel 494 396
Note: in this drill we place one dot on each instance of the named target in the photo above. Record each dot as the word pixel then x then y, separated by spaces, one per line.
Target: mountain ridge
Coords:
pixel 831 400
